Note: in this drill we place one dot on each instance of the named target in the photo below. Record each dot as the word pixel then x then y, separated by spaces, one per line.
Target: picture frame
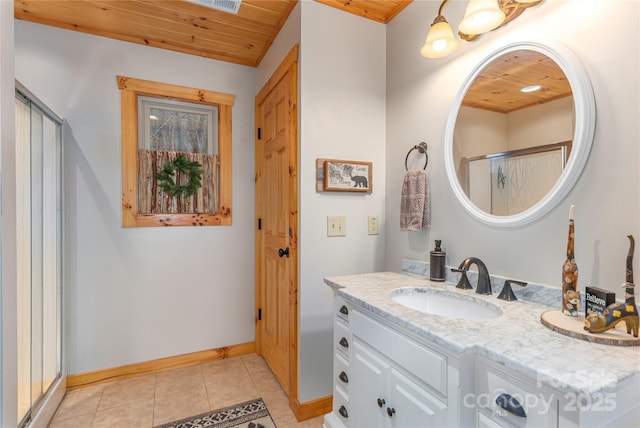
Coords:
pixel 347 176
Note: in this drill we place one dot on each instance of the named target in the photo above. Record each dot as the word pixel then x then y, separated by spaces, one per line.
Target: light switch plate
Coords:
pixel 372 223
pixel 336 225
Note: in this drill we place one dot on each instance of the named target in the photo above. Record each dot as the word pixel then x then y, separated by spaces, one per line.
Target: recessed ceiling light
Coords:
pixel 531 88
pixel 153 117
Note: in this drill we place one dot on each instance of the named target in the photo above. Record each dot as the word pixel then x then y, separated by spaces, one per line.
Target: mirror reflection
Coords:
pixel 513 132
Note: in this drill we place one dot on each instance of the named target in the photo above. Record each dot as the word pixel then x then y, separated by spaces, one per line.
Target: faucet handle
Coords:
pixel 463 283
pixel 507 292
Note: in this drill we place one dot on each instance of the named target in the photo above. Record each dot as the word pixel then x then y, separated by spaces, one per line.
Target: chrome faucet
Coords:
pixel 484 281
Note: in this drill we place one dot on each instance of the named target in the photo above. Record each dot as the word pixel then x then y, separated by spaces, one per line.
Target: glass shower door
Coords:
pixel 39 237
pixel 519 182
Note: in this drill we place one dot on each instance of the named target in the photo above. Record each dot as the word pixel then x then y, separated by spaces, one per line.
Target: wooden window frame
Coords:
pixel 130 89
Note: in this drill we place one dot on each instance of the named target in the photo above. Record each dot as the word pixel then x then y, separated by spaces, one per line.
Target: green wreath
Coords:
pixel 165 176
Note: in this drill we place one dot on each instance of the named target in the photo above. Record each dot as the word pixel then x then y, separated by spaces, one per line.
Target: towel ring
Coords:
pixel 421 148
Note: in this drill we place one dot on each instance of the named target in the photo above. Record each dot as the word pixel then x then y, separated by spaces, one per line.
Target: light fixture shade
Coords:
pixel 481 16
pixel 440 40
pixel 527 1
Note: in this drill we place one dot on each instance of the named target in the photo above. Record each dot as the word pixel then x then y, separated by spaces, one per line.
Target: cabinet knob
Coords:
pixel 344 310
pixel 511 405
pixel 380 402
pixel 391 411
pixel 344 342
pixel 343 412
pixel 343 377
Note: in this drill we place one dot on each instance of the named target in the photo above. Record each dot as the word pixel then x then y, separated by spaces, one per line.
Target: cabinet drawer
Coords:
pixel 341 336
pixel 341 309
pixel 426 364
pixel 341 374
pixel 495 386
pixel 487 422
pixel 341 405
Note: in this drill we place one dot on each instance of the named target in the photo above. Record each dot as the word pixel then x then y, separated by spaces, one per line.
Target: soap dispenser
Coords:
pixel 437 263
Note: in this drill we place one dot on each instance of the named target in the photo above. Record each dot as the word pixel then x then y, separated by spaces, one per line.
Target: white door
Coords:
pixel 41 380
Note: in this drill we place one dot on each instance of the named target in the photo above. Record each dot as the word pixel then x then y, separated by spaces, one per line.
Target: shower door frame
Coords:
pixel 563 147
pixel 42 411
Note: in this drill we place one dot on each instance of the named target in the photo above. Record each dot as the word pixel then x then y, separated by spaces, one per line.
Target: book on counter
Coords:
pixel 596 300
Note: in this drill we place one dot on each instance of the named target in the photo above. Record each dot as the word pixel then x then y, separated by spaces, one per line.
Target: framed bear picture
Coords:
pixel 347 176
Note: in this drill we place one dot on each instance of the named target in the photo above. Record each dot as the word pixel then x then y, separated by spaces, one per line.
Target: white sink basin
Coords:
pixel 446 304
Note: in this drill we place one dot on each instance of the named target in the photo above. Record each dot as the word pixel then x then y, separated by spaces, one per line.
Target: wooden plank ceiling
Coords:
pixel 187 27
pixel 377 10
pixel 498 86
pixel 244 38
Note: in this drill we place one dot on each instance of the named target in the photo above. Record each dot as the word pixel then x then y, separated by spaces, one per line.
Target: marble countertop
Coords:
pixel 517 339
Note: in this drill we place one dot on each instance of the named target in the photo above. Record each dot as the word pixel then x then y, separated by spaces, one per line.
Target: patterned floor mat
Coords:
pixel 252 414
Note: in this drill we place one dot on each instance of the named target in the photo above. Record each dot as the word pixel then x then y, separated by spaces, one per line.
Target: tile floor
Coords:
pixel 150 400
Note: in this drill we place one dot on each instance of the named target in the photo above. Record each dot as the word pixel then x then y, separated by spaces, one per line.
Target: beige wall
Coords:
pixel 549 123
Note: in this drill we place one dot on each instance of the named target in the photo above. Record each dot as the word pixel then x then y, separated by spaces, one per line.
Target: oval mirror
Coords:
pixel 519 133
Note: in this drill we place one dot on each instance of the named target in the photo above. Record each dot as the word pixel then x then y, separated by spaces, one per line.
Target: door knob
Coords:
pixel 284 252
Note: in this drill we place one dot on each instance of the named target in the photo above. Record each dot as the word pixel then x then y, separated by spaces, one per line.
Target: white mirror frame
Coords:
pixel 585 121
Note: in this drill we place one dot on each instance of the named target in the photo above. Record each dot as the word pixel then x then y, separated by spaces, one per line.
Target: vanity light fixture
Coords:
pixel 440 40
pixel 481 16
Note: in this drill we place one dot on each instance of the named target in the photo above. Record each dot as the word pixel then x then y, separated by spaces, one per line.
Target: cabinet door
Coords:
pixel 412 405
pixel 369 385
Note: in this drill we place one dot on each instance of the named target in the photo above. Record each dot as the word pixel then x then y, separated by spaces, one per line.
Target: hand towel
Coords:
pixel 415 203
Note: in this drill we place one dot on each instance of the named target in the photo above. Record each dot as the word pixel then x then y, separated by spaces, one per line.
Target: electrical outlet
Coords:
pixel 336 226
pixel 373 224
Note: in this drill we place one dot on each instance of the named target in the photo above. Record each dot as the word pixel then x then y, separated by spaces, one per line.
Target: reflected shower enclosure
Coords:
pixel 508 183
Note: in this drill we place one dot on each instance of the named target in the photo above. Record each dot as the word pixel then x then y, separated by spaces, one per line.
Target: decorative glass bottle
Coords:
pixel 570 293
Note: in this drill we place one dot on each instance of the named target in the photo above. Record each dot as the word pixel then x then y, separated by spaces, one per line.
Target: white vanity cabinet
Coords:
pixel 394 367
pixel 342 377
pixel 384 395
pixel 393 380
pixel 396 380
